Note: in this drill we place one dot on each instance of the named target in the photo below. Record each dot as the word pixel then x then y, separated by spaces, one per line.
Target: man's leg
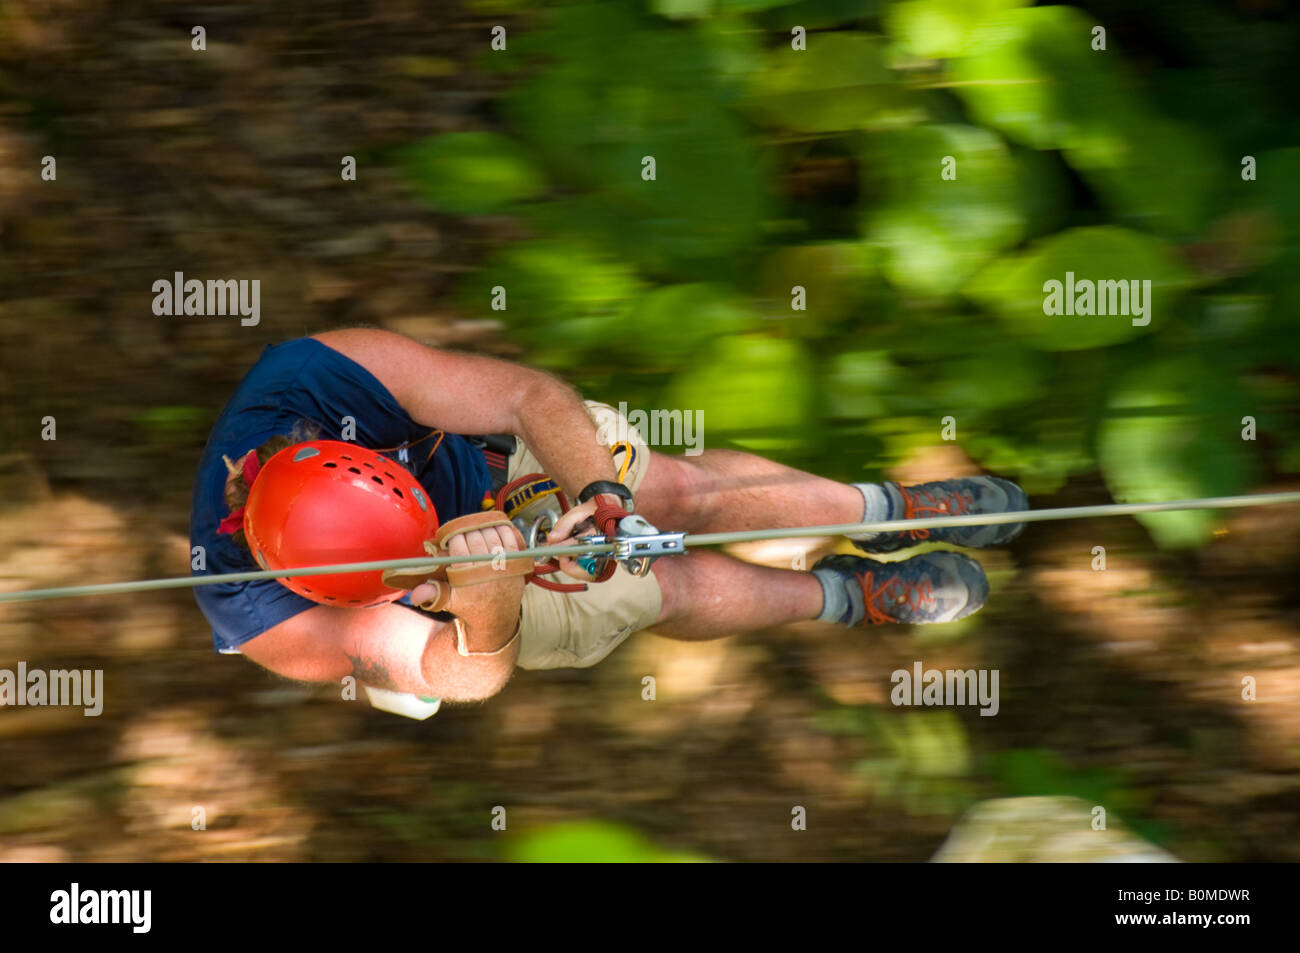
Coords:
pixel 722 490
pixel 706 595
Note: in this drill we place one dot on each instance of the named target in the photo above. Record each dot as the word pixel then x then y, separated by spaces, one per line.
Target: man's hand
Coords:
pixel 489 611
pixel 489 542
pixel 577 523
pixel 569 564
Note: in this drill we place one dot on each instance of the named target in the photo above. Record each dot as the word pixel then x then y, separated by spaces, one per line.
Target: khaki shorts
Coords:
pixel 579 629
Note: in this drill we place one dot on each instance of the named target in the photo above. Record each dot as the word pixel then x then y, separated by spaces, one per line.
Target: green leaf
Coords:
pixel 592 842
pixel 751 6
pixel 841 81
pixel 857 384
pixel 995 377
pixel 1150 451
pixel 1044 191
pixel 1151 172
pixel 670 324
pixel 621 88
pixel 682 9
pixel 1273 201
pixel 1015 288
pixel 562 296
pixel 471 173
pixel 832 274
pixel 1042 772
pixel 937 231
pixel 748 385
pixel 1033 75
pixel 818 15
pixel 938 29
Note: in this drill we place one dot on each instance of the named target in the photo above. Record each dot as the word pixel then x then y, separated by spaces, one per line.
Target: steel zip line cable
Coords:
pixel 688 541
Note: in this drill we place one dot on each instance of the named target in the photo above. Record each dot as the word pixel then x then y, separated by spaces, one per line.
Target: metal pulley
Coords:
pixel 637 546
pixel 536 529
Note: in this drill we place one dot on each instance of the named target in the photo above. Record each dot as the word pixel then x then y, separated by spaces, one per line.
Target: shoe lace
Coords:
pixel 878 600
pixel 918 502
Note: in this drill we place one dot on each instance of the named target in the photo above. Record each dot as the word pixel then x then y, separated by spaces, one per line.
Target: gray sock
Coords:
pixel 877 505
pixel 840 602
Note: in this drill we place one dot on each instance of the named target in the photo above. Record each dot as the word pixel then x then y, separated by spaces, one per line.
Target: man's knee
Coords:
pixel 669 493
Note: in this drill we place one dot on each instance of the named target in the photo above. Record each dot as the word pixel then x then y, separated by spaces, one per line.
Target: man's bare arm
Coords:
pixel 391 647
pixel 465 393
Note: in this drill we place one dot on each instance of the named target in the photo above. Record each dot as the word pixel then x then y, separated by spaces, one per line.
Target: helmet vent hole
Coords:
pixel 399 493
pixel 379 480
pixel 353 470
pixel 371 465
pixel 389 475
pixel 354 602
pixel 346 457
pixel 329 465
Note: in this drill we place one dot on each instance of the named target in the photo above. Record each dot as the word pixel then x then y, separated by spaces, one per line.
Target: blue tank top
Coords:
pixel 291 382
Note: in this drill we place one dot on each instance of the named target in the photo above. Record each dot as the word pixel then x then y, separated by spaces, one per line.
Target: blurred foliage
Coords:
pixel 472 172
pixel 918 174
pixel 1027 772
pixel 166 421
pixel 591 842
pixel 927 300
pixel 917 761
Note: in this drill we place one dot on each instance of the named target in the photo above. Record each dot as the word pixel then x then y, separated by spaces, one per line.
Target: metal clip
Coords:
pixel 592 565
pixel 639 544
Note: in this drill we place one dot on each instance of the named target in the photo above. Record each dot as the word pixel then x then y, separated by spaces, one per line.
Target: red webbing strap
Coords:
pixel 550 566
pixel 607 518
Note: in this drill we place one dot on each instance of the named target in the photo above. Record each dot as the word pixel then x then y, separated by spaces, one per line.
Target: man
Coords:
pixel 416 404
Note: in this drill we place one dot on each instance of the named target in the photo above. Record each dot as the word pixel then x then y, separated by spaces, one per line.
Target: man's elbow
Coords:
pixel 476 686
pixel 542 389
pixel 457 678
pixel 477 689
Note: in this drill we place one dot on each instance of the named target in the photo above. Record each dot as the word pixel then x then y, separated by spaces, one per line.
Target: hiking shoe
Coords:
pixel 968 495
pixel 931 587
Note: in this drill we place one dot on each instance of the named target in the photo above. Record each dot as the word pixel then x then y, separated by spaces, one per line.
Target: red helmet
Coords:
pixel 331 502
